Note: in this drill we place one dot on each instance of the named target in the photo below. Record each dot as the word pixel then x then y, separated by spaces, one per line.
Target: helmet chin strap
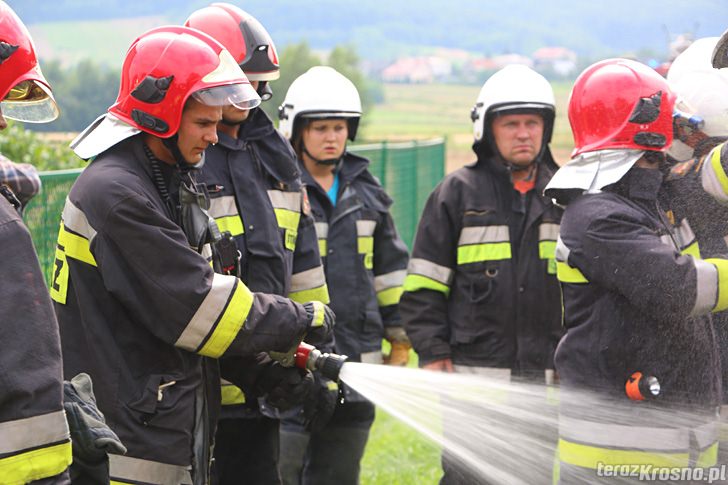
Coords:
pixel 324 161
pixel 180 162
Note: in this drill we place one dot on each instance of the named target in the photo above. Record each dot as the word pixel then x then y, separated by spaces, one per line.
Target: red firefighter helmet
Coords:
pixel 621 104
pixel 241 34
pixel 24 93
pixel 167 65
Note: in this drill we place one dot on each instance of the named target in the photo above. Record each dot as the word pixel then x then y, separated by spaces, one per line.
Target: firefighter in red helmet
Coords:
pixel 140 308
pixel 34 437
pixel 639 341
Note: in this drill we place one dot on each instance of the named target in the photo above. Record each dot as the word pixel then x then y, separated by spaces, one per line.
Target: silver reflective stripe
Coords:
pixel 548 232
pixel 562 251
pixel 207 252
pixel 223 206
pixel 285 200
pixel 76 221
pixel 684 234
pixel 441 274
pixel 365 228
pixel 374 357
pixel 135 469
pixel 389 280
pixel 483 234
pixel 710 179
pixel 208 313
pixel 34 432
pixel 623 436
pixel 706 287
pixel 706 434
pixel 322 230
pixel 306 280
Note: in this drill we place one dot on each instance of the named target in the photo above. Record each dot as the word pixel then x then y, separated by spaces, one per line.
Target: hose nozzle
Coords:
pixel 328 364
pixel 640 387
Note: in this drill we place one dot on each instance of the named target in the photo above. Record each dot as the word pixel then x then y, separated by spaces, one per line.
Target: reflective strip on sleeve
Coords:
pixel 426 275
pixel 713 177
pixel 389 287
pixel 76 234
pixel 127 469
pixel 46 437
pixel 484 243
pixel 309 285
pixel 75 220
pixel 564 272
pixel 713 282
pixel 219 318
pixel 225 212
pixel 319 314
pixel 231 394
pixel 287 207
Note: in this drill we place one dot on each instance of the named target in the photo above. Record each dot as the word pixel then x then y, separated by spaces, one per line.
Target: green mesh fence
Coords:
pixel 409 171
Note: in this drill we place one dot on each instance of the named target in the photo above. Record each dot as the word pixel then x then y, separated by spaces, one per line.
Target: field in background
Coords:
pixel 426 110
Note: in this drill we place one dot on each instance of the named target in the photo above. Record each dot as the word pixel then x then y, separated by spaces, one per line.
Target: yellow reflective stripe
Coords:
pixel 365 244
pixel 590 457
pixel 567 274
pixel 34 465
pixel 390 296
pixel 76 247
pixel 232 224
pixel 319 294
pixel 547 249
pixel 722 267
pixel 231 395
pixel 484 252
pixel 692 250
pixel 318 314
pixel 322 247
pixel 230 323
pixel 287 219
pixel 708 457
pixel 332 386
pixel 718 169
pixel 415 282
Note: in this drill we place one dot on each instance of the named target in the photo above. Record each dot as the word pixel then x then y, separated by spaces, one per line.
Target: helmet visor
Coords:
pixel 30 102
pixel 242 96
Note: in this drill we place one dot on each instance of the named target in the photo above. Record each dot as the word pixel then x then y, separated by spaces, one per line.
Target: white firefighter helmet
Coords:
pixel 515 87
pixel 701 90
pixel 319 93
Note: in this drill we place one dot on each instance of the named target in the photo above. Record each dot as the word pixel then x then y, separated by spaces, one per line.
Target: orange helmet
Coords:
pixel 24 93
pixel 241 34
pixel 621 104
pixel 166 66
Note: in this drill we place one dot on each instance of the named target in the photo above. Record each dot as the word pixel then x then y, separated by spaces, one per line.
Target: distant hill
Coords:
pixel 381 30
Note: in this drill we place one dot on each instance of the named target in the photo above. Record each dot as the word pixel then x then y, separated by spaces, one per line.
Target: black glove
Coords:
pixel 322 320
pixel 321 403
pixel 284 387
pixel 92 439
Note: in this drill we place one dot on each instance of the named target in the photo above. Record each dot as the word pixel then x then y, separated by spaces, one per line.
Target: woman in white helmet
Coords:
pixel 365 263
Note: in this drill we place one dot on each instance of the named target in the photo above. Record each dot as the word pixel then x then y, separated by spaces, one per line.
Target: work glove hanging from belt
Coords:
pixel 321 403
pixel 91 437
pixel 283 387
pixel 399 355
pixel 322 320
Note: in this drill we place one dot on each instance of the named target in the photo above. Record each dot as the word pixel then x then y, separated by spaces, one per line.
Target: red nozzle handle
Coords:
pixel 302 353
pixel 632 387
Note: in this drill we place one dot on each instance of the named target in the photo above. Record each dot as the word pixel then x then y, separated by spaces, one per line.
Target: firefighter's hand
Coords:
pixel 322 320
pixel 285 387
pixel 399 355
pixel 442 365
pixel 321 403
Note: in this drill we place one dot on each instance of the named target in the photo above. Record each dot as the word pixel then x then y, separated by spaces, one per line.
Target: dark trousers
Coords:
pixel 246 452
pixel 330 456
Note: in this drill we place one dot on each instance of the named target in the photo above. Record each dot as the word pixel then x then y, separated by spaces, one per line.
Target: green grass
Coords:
pixel 412 111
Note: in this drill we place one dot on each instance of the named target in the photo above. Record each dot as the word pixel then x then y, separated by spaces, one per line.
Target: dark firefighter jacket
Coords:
pixel 632 301
pixel 475 291
pixel 34 437
pixel 256 195
pixel 144 314
pixel 364 257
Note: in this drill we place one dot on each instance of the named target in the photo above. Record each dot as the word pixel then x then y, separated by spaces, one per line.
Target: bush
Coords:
pixel 24 146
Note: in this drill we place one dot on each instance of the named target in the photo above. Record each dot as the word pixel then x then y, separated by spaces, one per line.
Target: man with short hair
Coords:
pixel 481 294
